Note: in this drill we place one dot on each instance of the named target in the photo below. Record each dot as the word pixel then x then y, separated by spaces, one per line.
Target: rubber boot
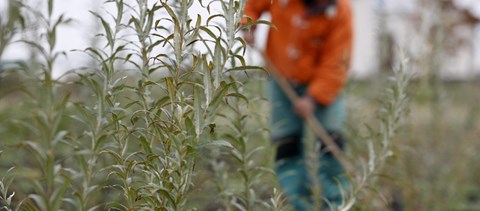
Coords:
pixel 292 174
pixel 332 179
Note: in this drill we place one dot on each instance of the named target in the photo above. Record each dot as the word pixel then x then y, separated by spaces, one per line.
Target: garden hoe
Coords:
pixel 310 119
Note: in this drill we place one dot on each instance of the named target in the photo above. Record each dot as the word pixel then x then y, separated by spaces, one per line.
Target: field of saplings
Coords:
pixel 151 123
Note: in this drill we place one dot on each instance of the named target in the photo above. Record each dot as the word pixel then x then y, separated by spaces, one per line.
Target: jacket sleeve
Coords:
pixel 255 8
pixel 334 60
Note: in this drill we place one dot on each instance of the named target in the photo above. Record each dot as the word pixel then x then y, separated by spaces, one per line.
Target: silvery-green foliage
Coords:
pixel 379 142
pixel 47 106
pixel 148 106
pixel 313 165
pixel 11 24
pixel 158 124
pixel 276 202
pixel 244 152
pixel 6 195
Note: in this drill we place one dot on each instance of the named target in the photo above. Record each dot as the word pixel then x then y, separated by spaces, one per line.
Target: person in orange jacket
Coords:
pixel 311 48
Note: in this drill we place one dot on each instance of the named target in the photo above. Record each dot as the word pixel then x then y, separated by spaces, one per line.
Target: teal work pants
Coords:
pixel 291 171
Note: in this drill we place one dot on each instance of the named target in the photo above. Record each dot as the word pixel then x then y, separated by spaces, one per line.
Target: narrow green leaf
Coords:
pixel 252 152
pixel 218 98
pixel 166 193
pixel 149 24
pixel 237 155
pixel 172 91
pixel 120 12
pixel 106 27
pixel 197 100
pixel 145 145
pixel 59 137
pixel 219 143
pixel 217 64
pixel 245 68
pixel 177 34
pixel 210 18
pixel 196 29
pixel 183 13
pixel 208 31
pixel 50 8
pixel 58 195
pixel 230 22
pixel 238 95
pixel 39 201
pixel 37 150
pixel 251 23
pixel 9 198
pixel 207 80
pixel 240 58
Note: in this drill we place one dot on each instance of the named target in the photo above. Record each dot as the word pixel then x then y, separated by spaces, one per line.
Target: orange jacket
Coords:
pixel 311 50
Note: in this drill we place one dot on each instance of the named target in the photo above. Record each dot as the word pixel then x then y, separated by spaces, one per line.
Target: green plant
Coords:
pixel 6 195
pixel 380 140
pixel 155 123
pixel 47 105
pixel 134 138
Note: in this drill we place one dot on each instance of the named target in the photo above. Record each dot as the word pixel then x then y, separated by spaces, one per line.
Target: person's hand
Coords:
pixel 304 106
pixel 249 36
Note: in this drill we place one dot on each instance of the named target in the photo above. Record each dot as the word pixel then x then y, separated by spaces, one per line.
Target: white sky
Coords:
pixel 78 34
pixel 75 35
